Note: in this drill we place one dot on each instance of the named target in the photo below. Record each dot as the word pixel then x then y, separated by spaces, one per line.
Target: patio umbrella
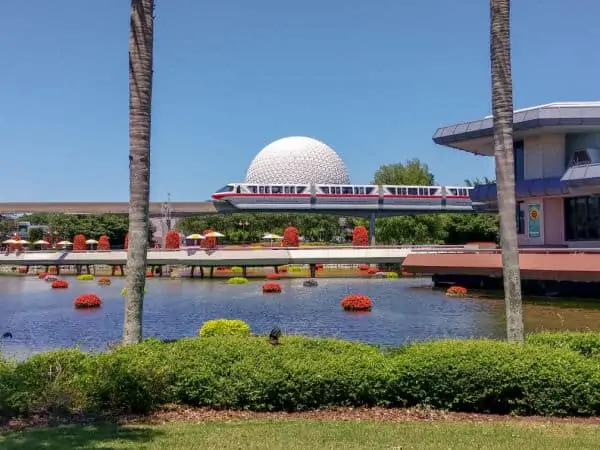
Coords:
pixel 195 236
pixel 10 241
pixel 41 242
pixel 214 234
pixel 23 242
pixel 271 237
pixel 91 241
pixel 64 243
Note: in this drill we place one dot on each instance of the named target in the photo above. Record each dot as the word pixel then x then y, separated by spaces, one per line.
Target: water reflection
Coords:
pixel 404 310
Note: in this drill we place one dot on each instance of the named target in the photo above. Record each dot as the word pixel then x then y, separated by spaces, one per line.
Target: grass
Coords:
pixel 309 434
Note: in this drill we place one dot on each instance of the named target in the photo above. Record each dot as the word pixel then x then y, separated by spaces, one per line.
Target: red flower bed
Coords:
pixel 87 301
pixel 59 284
pixel 209 242
pixel 21 269
pixel 126 243
pixel 355 302
pixel 273 276
pixel 79 242
pixel 104 281
pixel 282 269
pixel 42 275
pixel 271 288
pixel 372 270
pixel 291 238
pixel 364 267
pixel 222 269
pixel 172 240
pixel 149 274
pixel 456 291
pixel 103 243
pixel 360 236
pixel 319 266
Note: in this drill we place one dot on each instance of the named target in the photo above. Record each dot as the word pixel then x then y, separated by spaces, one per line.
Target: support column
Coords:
pixel 372 229
pixel 244 271
pixel 313 270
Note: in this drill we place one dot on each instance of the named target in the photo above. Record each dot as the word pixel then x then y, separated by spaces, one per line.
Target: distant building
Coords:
pixel 23 229
pixel 557 170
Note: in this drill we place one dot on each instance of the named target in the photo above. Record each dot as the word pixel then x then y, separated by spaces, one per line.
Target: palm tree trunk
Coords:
pixel 140 98
pixel 502 110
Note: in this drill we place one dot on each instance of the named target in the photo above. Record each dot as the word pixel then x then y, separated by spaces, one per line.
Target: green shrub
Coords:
pixel 236 269
pixel 225 327
pixel 132 378
pixel 124 291
pixel 391 275
pixel 52 382
pixel 85 277
pixel 295 269
pixel 6 386
pixel 585 342
pixel 237 280
pixel 496 377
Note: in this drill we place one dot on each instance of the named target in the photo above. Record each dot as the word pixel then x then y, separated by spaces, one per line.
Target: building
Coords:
pixel 557 171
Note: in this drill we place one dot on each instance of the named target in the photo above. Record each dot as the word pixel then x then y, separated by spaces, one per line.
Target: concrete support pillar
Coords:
pixel 192 270
pixel 212 272
pixel 372 229
pixel 201 271
pixel 313 270
pixel 57 270
pixel 244 271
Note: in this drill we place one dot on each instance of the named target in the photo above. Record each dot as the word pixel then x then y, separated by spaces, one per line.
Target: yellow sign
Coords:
pixel 534 214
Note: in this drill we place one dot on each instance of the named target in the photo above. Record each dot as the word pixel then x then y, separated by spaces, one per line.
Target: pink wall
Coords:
pixel 553 221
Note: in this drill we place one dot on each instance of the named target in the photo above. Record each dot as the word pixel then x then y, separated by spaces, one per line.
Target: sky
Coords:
pixel 372 79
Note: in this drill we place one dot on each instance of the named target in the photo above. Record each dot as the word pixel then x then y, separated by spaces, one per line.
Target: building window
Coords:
pixel 520 218
pixel 582 218
pixel 519 160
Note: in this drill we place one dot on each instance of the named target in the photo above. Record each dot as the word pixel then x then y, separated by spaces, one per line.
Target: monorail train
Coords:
pixel 249 196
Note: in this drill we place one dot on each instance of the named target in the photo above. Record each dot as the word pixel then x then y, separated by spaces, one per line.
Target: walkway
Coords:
pixel 227 257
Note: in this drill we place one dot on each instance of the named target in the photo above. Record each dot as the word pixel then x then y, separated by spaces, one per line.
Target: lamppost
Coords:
pixel 166 219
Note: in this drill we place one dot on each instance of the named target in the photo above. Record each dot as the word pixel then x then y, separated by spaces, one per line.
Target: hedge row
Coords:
pixel 304 373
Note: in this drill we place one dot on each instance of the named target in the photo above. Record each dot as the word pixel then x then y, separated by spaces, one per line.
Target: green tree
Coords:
pixel 141 43
pixel 502 112
pixel 35 234
pixel 412 172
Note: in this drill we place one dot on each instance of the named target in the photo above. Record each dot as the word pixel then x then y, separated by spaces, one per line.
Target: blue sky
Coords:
pixel 372 79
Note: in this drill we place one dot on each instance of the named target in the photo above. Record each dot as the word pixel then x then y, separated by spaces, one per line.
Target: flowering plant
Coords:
pixel 222 327
pixel 291 238
pixel 79 242
pixel 372 270
pixel 103 243
pixel 360 237
pixel 172 240
pixel 104 281
pixel 355 302
pixel 364 267
pixel 271 288
pixel 85 277
pixel 42 275
pixel 209 242
pixel 273 276
pixel 456 291
pixel 237 280
pixel 87 301
pixel 59 284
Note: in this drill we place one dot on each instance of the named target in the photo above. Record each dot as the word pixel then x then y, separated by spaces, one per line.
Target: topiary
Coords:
pixel 87 301
pixel 104 281
pixel 79 242
pixel 172 240
pixel 360 236
pixel 59 284
pixel 85 277
pixel 224 327
pixel 291 238
pixel 237 280
pixel 355 302
pixel 271 288
pixel 104 243
pixel 391 275
pixel 236 269
pixel 209 242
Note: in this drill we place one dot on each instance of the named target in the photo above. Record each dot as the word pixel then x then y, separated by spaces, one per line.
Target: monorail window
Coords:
pixel 369 190
pixel 424 191
pixel 412 191
pixel 392 190
pixel 325 189
pixel 288 189
pixel 228 188
pixel 263 189
pixel 276 190
pixel 347 190
pixel 336 190
pixel 452 191
pixel 300 189
pixel 252 189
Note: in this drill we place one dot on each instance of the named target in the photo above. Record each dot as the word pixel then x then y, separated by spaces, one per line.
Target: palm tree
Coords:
pixel 502 110
pixel 141 41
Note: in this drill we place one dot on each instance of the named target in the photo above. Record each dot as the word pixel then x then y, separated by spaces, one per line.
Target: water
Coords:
pixel 41 318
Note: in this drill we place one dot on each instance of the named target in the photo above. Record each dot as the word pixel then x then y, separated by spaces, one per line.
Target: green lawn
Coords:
pixel 306 434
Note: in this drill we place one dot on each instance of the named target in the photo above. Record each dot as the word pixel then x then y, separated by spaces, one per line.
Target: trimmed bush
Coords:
pixel 273 276
pixel 209 242
pixel 79 242
pixel 360 236
pixel 456 291
pixel 86 301
pixel 104 281
pixel 585 342
pixel 224 327
pixel 391 275
pixel 172 240
pixel 291 237
pixel 223 370
pixel 295 269
pixel 271 288
pixel 103 243
pixel 237 280
pixel 85 277
pixel 355 302
pixel 236 269
pixel 59 284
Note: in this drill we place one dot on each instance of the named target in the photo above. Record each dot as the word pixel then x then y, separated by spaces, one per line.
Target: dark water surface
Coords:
pixel 42 318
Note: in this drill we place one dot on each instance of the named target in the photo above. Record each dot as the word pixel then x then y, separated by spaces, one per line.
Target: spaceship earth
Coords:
pixel 297 159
